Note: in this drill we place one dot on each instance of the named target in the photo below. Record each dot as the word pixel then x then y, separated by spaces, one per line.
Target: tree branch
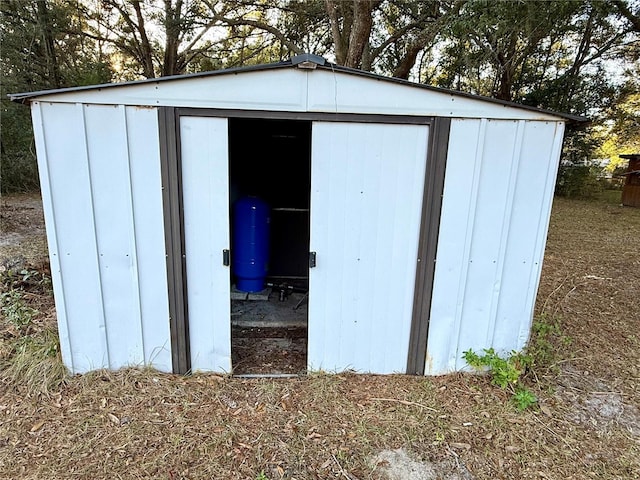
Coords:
pixel 623 9
pixel 262 26
pixel 338 41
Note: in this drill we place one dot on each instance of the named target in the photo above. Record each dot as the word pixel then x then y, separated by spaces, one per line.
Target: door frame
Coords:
pixel 174 231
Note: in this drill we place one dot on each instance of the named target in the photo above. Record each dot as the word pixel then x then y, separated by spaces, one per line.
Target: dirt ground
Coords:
pixel 275 351
pixel 138 423
pixel 22 232
pixel 269 336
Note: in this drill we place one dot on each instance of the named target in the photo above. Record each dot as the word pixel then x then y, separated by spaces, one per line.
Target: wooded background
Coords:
pixel 572 56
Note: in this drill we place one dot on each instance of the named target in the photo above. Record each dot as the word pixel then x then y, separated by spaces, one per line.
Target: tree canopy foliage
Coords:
pixel 575 56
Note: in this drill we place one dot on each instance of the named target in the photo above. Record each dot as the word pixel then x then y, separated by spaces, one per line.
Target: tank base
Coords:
pixel 250 285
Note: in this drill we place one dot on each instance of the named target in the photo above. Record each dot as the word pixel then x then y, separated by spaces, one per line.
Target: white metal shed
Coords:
pixel 427 209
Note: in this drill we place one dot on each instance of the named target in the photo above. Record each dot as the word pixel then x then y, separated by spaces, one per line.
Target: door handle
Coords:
pixel 225 257
pixel 312 259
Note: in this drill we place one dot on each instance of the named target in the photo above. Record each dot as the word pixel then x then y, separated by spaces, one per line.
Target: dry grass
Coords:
pixel 591 280
pixel 138 423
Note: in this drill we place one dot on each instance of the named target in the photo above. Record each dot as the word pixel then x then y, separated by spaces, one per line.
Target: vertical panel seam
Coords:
pixel 164 150
pixel 178 204
pixel 396 185
pixel 341 326
pixel 433 180
pixel 134 251
pixel 505 229
pixel 306 99
pixel 358 277
pixel 378 174
pixel 418 315
pixel 53 249
pixel 468 243
pixel 80 107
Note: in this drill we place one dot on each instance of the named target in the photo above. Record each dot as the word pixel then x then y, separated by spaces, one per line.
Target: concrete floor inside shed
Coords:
pixel 269 336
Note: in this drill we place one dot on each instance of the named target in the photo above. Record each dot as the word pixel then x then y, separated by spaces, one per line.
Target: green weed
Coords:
pixel 523 399
pixel 25 278
pixel 546 339
pixel 15 310
pixel 506 373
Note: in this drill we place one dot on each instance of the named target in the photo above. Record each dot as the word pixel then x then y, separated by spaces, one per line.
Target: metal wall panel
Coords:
pixel 46 192
pixel 146 189
pixel 108 152
pixel 482 282
pixel 75 231
pixel 366 197
pixel 535 135
pixel 205 175
pixel 497 199
pixel 85 153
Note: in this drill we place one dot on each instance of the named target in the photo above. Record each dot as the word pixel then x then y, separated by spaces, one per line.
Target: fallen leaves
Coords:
pixel 115 420
pixel 403 402
pixel 460 445
pixel 37 426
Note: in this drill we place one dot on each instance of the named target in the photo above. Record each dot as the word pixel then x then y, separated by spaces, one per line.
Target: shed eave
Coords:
pixel 27 97
pixel 564 116
pixel 298 62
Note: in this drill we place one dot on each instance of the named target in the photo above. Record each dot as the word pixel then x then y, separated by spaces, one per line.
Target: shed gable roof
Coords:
pixel 305 83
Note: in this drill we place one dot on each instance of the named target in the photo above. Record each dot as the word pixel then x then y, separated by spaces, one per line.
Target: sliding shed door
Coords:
pixel 205 197
pixel 366 199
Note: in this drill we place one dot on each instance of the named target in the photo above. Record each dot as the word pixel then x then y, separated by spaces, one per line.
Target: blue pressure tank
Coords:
pixel 250 249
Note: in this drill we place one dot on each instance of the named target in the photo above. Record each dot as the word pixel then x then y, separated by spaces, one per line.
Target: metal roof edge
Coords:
pixel 26 97
pixel 297 62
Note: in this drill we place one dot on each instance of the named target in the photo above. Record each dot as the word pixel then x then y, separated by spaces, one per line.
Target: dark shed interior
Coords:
pixel 271 160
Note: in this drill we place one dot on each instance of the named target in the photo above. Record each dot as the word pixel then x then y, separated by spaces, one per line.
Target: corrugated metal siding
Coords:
pixel 100 172
pixel 497 199
pixel 205 174
pixel 148 214
pixel 367 185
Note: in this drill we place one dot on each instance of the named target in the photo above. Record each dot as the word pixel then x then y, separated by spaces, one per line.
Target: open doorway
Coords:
pixel 270 167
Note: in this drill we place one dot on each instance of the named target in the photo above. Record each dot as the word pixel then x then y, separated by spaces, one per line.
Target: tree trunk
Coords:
pixel 625 11
pixel 49 44
pixel 172 24
pixel 360 32
pixel 506 82
pixel 336 33
pixel 146 51
pixel 351 24
pixel 408 61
